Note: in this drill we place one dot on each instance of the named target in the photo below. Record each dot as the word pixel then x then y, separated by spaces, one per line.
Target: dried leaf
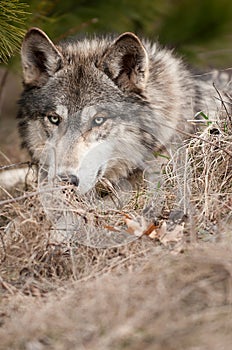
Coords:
pixel 111 228
pixel 136 227
pixel 151 229
pixel 171 236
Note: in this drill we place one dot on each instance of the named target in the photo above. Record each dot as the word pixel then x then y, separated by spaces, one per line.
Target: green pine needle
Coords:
pixel 13 16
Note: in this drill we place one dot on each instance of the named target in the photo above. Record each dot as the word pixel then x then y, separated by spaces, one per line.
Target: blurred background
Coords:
pixel 201 30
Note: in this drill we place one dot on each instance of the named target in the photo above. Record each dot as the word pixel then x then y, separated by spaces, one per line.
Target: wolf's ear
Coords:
pixel 126 63
pixel 40 58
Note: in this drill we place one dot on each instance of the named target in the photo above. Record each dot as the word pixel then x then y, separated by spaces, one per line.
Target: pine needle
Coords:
pixel 13 15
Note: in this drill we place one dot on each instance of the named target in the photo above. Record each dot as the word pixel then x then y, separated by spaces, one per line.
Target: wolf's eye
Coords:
pixel 99 120
pixel 54 119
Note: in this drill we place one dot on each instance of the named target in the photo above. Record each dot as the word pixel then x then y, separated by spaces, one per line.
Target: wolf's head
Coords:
pixel 84 113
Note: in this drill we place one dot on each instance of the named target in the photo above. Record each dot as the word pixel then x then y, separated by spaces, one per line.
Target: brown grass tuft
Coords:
pixel 211 159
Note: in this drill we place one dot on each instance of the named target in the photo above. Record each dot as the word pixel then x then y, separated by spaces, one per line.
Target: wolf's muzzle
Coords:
pixel 70 179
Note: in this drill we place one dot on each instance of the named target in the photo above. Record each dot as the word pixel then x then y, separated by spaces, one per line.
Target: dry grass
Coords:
pixel 139 295
pixel 162 302
pixel 212 179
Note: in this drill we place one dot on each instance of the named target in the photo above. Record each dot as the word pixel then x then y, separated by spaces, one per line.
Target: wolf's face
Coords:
pixel 83 111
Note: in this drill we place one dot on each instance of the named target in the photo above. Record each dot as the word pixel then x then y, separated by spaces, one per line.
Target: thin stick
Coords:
pixel 32 194
pixel 222 102
pixel 3 167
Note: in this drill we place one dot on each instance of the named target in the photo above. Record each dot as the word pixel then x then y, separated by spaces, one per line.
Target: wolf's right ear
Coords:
pixel 126 63
pixel 40 58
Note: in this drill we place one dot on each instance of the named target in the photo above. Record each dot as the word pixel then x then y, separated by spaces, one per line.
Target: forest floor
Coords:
pixel 170 288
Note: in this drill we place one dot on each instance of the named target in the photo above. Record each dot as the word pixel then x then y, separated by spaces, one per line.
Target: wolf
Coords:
pixel 101 108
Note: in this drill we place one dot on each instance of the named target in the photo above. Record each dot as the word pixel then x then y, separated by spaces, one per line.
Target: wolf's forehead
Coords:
pixel 81 88
pixel 78 87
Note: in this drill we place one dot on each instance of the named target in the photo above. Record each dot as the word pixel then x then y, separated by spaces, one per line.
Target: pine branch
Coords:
pixel 13 15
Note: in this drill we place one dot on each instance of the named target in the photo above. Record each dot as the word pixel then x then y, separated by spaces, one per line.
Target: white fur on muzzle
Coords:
pixel 93 165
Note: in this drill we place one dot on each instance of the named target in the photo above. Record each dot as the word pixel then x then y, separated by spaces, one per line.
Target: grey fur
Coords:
pixel 116 102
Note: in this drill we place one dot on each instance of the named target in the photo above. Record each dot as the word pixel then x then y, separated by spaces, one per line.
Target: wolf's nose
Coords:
pixel 71 179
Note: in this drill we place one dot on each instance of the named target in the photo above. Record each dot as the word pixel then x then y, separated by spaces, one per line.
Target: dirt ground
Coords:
pixel 144 295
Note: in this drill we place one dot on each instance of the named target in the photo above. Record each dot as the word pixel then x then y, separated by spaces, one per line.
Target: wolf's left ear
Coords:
pixel 126 63
pixel 40 58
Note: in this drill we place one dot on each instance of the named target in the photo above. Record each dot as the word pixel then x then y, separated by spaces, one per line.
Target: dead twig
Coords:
pixel 222 102
pixel 32 194
pixel 4 167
